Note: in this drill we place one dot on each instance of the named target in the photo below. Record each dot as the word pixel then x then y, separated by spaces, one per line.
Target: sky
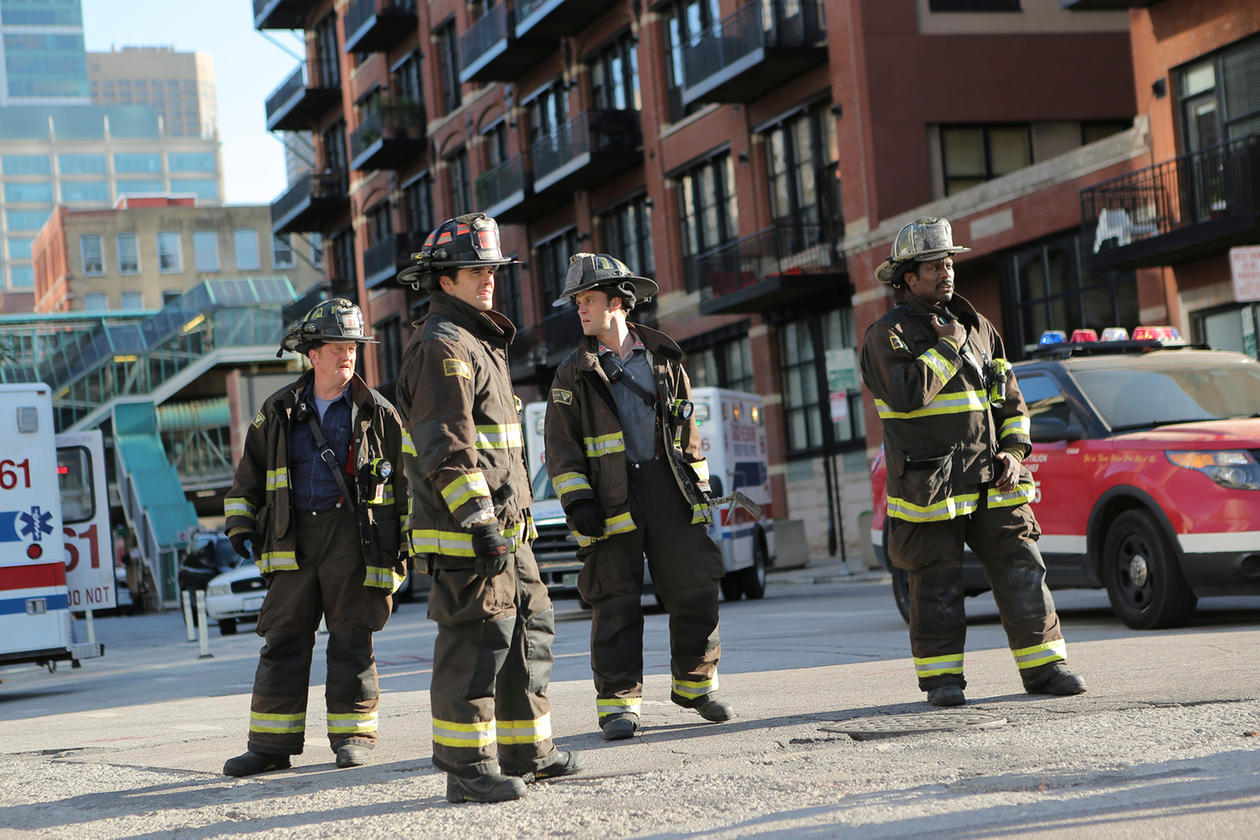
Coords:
pixel 247 67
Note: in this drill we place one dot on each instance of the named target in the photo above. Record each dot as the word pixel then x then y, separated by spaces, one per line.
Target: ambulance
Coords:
pixel 36 621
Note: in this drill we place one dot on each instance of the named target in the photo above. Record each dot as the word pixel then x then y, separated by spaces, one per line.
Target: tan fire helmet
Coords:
pixel 923 240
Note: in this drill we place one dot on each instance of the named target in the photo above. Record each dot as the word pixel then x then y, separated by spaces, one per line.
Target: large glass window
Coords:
pixel 552 264
pixel 448 66
pixel 246 244
pixel 389 353
pixel 20 247
pixel 282 252
pixel 548 111
pixel 418 204
pixel 21 276
pixel 615 76
pixel 333 140
pixel 16 192
pixel 190 161
pixel 168 252
pixel 408 84
pixel 96 191
pixel 140 186
pixel 92 252
pixel 722 359
pixel 206 189
pixel 132 300
pixel 1219 97
pixel 25 219
pixel 685 22
pixel 707 208
pixel 626 233
pixel 800 156
pixel 507 292
pixel 973 154
pixel 95 301
pixel 327 55
pixel 460 182
pixel 345 273
pixel 206 250
pixel 43 64
pixel 128 253
pixel 26 164
pixel 82 164
pixel 137 162
pixel 815 418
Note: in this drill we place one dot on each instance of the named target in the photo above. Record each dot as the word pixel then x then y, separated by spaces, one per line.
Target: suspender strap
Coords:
pixel 329 457
pixel 615 372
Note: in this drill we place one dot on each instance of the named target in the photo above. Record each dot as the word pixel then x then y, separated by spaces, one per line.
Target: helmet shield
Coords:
pixel 333 320
pixel 924 239
pixel 466 241
pixel 590 271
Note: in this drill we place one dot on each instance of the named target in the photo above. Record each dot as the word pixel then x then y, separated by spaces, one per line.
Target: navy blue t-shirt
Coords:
pixel 314 486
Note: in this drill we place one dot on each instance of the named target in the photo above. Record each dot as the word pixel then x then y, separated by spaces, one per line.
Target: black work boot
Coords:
pixel 710 707
pixel 353 755
pixel 620 727
pixel 1055 679
pixel 249 763
pixel 950 694
pixel 484 787
pixel 563 763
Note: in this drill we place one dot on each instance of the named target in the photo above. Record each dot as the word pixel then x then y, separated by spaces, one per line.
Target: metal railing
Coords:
pixel 319 185
pixel 286 91
pixel 759 25
pixel 360 12
pixel 391 121
pixel 482 35
pixel 778 250
pixel 496 184
pixel 1212 183
pixel 589 132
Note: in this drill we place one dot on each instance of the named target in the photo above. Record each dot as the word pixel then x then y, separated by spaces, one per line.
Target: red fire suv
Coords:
pixel 1148 483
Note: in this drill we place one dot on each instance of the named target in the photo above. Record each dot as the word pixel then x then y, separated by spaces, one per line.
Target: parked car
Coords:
pixel 1145 459
pixel 209 555
pixel 235 596
pixel 555 549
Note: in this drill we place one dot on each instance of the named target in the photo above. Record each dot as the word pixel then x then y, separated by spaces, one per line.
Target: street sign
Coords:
pixel 1244 266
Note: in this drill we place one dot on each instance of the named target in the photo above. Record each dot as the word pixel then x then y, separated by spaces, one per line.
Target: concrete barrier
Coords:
pixel 790 546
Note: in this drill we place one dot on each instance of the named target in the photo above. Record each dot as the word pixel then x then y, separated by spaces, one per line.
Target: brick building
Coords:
pixel 755 158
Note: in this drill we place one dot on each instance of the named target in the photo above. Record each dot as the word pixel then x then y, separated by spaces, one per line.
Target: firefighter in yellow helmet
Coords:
pixel 955 433
pixel 492 657
pixel 318 504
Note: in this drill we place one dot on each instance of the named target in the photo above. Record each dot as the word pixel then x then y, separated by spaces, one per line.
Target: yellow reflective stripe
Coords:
pixel 939 365
pixel 239 506
pixel 1017 425
pixel 505 436
pixel 953 402
pixel 1022 494
pixel 701 513
pixel 472 735
pixel 459 543
pixel 620 524
pixel 277 724
pixel 383 577
pixel 524 731
pixel 702 469
pixel 934 666
pixel 605 706
pixel 277 561
pixel 351 723
pixel 570 482
pixel 1031 657
pixel 468 486
pixel 597 447
pixel 385 497
pixel 954 506
pixel 277 478
pixel 691 689
pixel 408 448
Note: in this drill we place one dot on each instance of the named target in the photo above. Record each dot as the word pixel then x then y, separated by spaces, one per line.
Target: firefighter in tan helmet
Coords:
pixel 955 431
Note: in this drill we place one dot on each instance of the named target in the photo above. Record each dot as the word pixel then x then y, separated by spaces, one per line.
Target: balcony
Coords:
pixel 506 192
pixel 754 51
pixel 378 25
pixel 538 350
pixel 1182 209
pixel 293 106
pixel 557 18
pixel 490 50
pixel 588 150
pixel 382 261
pixel 780 267
pixel 282 14
pixel 388 137
pixel 310 203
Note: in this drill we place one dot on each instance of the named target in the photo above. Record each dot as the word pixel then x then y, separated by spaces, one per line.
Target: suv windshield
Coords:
pixel 542 485
pixel 1136 398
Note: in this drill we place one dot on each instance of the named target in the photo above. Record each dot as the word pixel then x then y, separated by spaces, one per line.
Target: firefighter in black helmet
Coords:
pixel 318 506
pixel 471 496
pixel 628 467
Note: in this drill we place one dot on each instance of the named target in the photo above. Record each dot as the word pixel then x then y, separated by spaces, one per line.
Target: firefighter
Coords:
pixel 492 657
pixel 956 431
pixel 626 464
pixel 317 497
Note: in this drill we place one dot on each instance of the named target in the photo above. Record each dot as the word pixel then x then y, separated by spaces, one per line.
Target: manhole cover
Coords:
pixel 889 726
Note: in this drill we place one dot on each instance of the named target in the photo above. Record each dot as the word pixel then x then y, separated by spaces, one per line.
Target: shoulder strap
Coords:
pixel 327 455
pixel 617 373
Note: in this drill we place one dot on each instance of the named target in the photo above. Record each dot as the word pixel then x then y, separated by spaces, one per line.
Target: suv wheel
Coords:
pixel 227 627
pixel 1144 582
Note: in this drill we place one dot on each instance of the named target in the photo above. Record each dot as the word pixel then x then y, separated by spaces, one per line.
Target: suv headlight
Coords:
pixel 219 589
pixel 1233 468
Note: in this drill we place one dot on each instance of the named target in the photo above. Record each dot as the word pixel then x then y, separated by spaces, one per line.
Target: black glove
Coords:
pixel 491 550
pixel 239 540
pixel 587 518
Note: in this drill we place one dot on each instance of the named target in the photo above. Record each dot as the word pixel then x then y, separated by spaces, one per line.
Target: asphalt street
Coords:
pixel 1165 744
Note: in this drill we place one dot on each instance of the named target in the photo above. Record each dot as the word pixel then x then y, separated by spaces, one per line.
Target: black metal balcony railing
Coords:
pixel 557 18
pixel 490 50
pixel 382 261
pixel 309 202
pixel 281 14
pixel 754 50
pixel 500 183
pixel 391 135
pixel 294 106
pixel 1197 203
pixel 601 141
pixel 781 264
pixel 377 25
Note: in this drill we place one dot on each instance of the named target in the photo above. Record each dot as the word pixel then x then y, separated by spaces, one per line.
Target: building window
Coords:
pixel 317 249
pixel 344 274
pixel 93 191
pixel 26 164
pixel 1218 96
pixel 137 162
pixel 448 66
pixel 327 56
pixel 20 247
pixel 379 223
pixel 168 253
pixel 973 5
pixel 548 111
pixel 132 300
pixel 92 251
pixel 95 301
pixel 206 189
pixel 25 219
pixel 389 353
pixel 551 264
pixel 30 192
pixel 722 361
pixel 191 161
pixel 707 208
pixel 206 250
pixel 136 187
pixel 82 164
pixel 800 160
pixel 495 142
pixel 128 253
pixel 615 76
pixel 408 86
pixel 460 183
pixel 282 252
pixel 418 204
pixel 815 419
pixel 246 245
pixel 22 276
pixel 333 141
pixel 626 233
pixel 973 154
pixel 507 292
pixel 169 296
pixel 685 23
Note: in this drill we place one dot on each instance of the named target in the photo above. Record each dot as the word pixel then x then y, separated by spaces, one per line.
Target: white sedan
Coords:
pixel 236 595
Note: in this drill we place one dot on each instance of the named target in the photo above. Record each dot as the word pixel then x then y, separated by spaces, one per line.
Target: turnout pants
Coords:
pixel 1004 541
pixel 329 583
pixel 686 566
pixel 491 668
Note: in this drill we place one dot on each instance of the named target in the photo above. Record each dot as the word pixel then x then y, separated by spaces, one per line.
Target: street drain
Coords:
pixel 890 726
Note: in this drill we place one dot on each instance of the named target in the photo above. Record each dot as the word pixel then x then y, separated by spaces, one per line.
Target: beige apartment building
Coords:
pixel 178 85
pixel 148 251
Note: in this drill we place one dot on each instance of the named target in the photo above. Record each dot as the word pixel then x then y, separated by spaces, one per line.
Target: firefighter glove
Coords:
pixel 490 549
pixel 239 540
pixel 587 518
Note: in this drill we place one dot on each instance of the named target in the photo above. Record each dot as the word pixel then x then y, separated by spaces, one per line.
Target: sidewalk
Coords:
pixel 824 570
